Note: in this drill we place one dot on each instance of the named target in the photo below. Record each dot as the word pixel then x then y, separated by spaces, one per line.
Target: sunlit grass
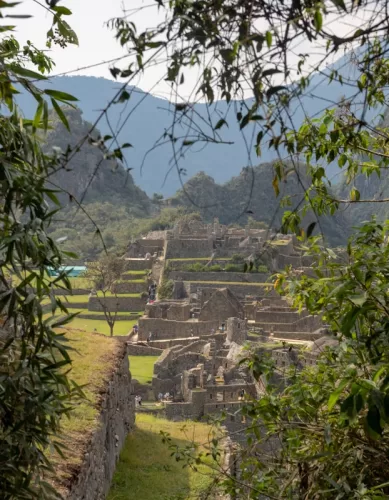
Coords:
pixel 101 326
pixel 146 471
pixel 93 360
pixel 141 368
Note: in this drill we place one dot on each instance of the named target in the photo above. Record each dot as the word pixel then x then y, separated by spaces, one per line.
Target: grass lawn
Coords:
pixel 93 360
pixel 143 272
pixel 146 471
pixel 141 368
pixel 99 313
pixel 101 326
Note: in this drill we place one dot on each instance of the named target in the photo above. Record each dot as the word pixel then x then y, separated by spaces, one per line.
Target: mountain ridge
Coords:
pixel 148 117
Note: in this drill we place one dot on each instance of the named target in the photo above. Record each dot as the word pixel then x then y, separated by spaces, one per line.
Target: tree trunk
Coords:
pixel 111 329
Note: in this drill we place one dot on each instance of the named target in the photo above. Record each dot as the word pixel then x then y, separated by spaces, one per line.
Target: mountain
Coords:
pixel 145 118
pixel 111 200
pixel 87 174
pixel 374 187
pixel 250 195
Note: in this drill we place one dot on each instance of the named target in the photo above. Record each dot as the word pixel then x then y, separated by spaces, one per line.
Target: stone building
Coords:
pixel 204 376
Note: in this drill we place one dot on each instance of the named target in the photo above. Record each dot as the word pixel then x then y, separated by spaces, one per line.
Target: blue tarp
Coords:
pixel 72 271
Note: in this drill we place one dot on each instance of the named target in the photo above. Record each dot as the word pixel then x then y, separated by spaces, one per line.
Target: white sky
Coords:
pixel 97 42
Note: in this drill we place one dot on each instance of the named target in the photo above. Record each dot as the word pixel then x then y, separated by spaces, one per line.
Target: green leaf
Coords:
pixel 274 90
pixel 61 96
pixel 340 4
pixel 38 115
pixel 25 73
pixel 62 11
pixel 269 72
pixel 124 96
pixel 358 300
pixel 269 39
pixel 355 195
pixel 220 123
pixel 335 395
pixel 275 186
pixel 228 55
pixel 310 229
pixel 373 422
pixel 318 20
pixel 60 113
pixel 67 32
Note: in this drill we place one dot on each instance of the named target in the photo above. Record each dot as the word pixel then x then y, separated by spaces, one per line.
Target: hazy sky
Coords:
pixel 97 42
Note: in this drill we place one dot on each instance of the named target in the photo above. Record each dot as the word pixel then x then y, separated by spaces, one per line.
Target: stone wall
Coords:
pixel 142 350
pixel 127 286
pixel 236 330
pixel 186 248
pixel 273 316
pixel 218 276
pixel 308 324
pixel 138 264
pixel 169 329
pixel 119 317
pixel 74 291
pixel 168 309
pixel 227 393
pixel 240 291
pixel 219 308
pixel 116 419
pixel 124 304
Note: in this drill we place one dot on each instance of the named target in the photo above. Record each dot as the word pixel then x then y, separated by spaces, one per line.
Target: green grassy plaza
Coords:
pixel 141 368
pixel 146 471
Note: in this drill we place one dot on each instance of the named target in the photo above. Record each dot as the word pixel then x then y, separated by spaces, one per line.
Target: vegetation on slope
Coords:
pixel 250 196
pixel 146 470
pixel 93 359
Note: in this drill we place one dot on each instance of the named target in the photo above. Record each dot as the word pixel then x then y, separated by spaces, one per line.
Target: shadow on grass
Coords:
pixel 146 471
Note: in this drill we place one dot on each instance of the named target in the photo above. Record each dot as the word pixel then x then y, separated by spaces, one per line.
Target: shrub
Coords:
pixel 214 268
pixel 195 268
pixel 237 258
pixel 165 290
pixel 262 268
pixel 230 268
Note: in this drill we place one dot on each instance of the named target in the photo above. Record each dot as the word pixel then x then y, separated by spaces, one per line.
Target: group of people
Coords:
pixel 152 293
pixel 168 396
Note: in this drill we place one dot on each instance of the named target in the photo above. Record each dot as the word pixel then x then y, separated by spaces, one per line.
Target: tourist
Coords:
pixel 212 331
pixel 136 328
pixel 241 394
pixel 148 256
pixel 160 396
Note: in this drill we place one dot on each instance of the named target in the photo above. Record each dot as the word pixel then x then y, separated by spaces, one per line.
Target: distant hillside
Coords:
pixel 251 195
pixel 373 187
pixel 88 172
pixel 145 119
pixel 112 200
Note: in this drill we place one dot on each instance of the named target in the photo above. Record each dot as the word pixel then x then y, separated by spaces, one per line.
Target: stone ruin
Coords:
pixel 204 377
